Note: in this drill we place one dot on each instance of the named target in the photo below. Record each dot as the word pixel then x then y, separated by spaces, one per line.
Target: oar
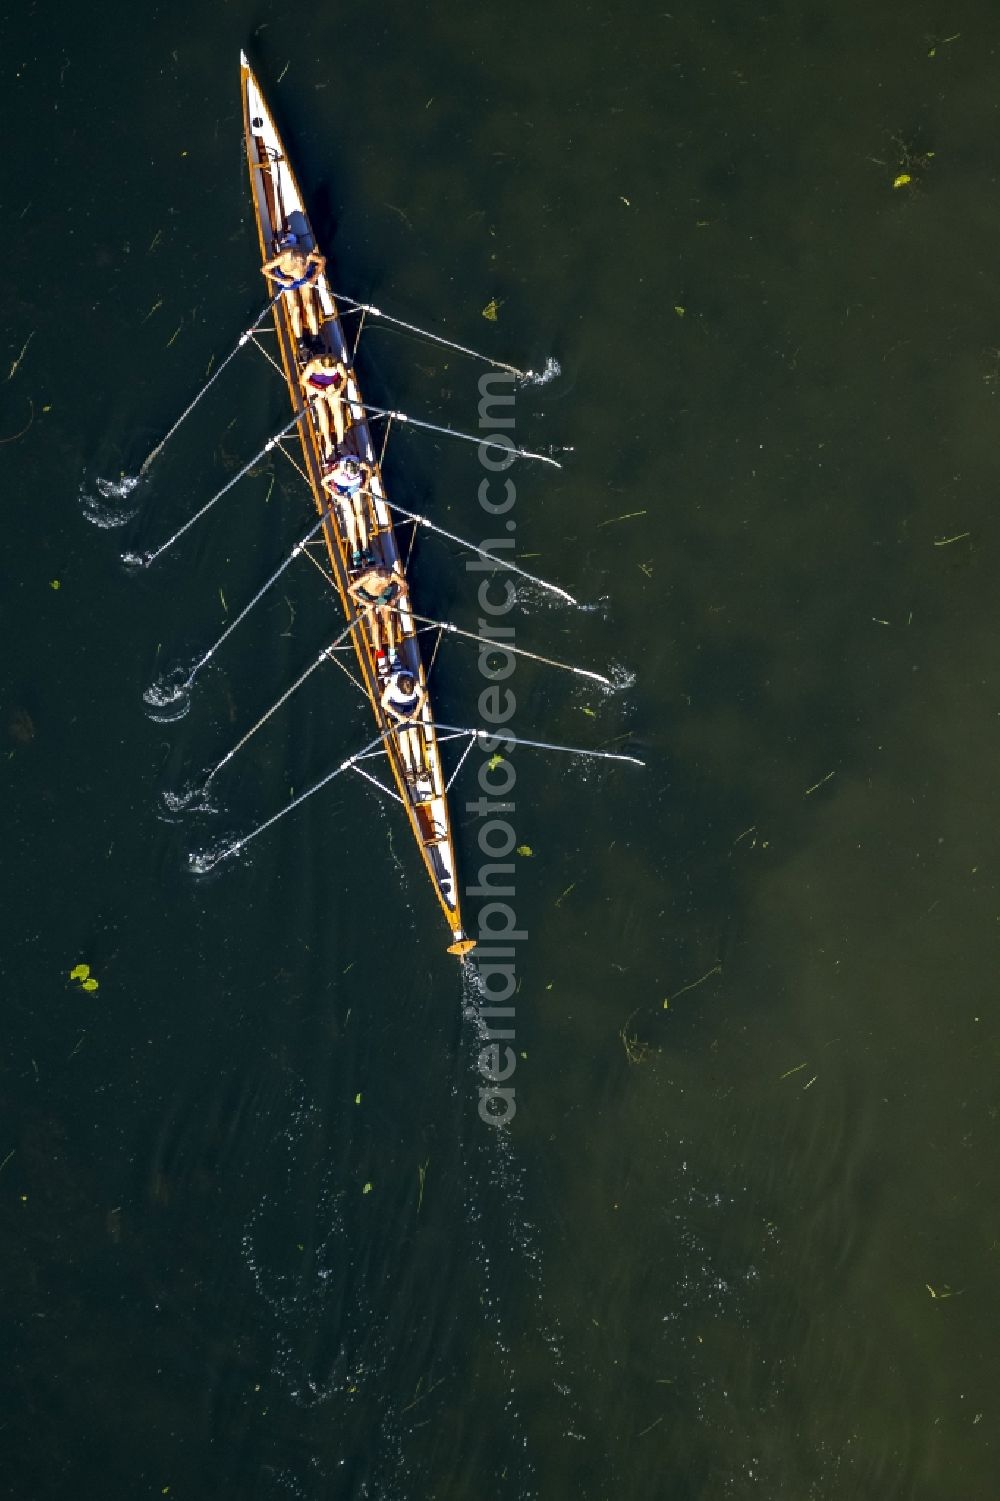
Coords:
pixel 482 552
pixel 518 651
pixel 243 339
pixel 453 432
pixel 144 559
pixel 206 862
pixel 502 733
pixel 164 693
pixel 425 333
pixel 324 656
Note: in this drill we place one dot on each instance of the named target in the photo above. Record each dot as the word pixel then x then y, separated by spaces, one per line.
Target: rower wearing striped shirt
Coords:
pixel 346 479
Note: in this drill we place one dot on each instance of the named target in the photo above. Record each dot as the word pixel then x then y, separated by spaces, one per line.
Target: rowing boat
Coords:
pixel 281 213
pixel 353 542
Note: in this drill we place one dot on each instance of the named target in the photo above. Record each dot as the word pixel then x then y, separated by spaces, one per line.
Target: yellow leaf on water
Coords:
pixel 90 984
pixel 494 762
pixel 79 972
pixel 491 310
pixel 680 311
pixel 525 850
pixel 902 180
pixel 357 1099
pixel 367 1189
pixel 54 584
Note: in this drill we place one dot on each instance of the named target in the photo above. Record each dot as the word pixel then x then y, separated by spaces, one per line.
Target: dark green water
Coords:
pixel 755 1253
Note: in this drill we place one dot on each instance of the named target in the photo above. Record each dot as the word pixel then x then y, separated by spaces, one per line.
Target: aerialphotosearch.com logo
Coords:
pixel 498 931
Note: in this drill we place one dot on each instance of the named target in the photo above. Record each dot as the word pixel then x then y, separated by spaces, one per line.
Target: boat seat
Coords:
pixel 298 225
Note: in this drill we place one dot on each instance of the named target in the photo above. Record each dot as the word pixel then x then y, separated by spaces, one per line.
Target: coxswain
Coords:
pixel 295 271
pixel 403 697
pixel 324 381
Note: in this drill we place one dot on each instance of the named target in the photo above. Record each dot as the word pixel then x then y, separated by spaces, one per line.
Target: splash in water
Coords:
pixel 109 511
pixel 552 370
pixel 191 798
pixel 622 677
pixel 169 698
pixel 600 606
pixel 531 599
pixel 117 489
pixel 201 862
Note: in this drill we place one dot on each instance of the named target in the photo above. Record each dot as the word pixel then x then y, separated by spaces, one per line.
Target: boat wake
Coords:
pixel 301 1303
pixel 497 1194
pixel 324 1312
pixel 109 512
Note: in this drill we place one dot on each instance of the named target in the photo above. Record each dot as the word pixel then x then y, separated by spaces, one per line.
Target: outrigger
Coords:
pixel 360 554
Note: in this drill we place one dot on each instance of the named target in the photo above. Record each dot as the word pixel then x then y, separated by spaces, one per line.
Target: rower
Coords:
pixel 402 699
pixel 346 479
pixel 324 379
pixel 376 590
pixel 295 271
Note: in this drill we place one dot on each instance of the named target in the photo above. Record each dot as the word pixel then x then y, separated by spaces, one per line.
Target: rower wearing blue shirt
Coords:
pixel 295 272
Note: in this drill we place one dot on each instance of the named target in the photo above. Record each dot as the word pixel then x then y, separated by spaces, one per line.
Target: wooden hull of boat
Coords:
pixel 279 207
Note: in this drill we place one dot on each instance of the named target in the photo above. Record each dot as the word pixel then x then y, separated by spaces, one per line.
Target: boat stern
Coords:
pixel 462 946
